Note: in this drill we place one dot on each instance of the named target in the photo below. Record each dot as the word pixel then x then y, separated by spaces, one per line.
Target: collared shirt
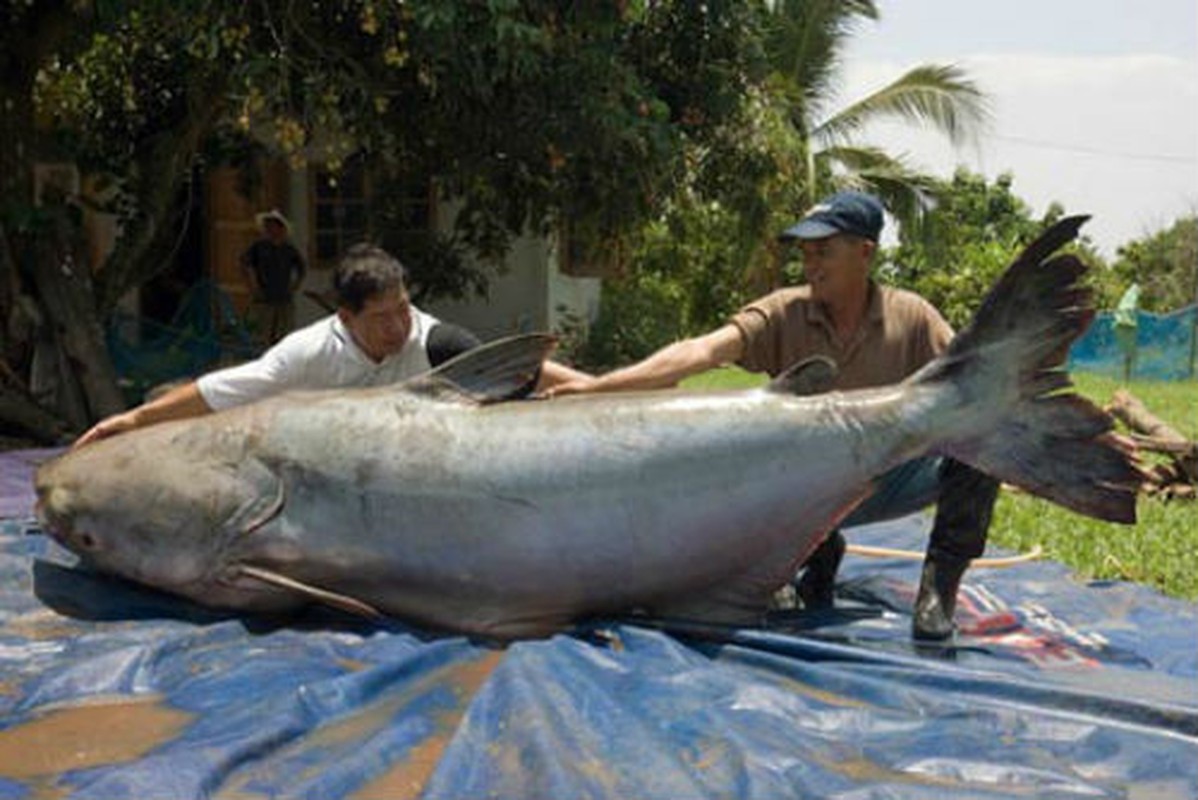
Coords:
pixel 899 334
pixel 321 356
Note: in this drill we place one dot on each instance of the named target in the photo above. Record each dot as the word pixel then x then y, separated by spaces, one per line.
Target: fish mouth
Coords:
pixel 49 526
pixel 49 511
pixel 61 529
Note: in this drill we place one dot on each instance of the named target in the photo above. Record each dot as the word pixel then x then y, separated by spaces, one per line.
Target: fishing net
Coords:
pixel 206 332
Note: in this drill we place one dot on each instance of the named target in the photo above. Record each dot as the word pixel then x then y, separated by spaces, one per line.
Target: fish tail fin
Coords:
pixel 1007 370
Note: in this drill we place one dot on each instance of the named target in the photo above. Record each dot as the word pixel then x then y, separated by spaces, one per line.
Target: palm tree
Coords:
pixel 804 43
pixel 788 147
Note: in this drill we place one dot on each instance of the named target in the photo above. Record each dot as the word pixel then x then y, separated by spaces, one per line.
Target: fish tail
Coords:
pixel 1012 412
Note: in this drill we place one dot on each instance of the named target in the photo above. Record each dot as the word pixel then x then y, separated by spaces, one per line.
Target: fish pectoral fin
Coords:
pixel 341 601
pixel 265 513
pixel 260 495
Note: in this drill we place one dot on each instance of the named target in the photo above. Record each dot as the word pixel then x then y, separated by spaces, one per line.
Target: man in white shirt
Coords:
pixel 376 337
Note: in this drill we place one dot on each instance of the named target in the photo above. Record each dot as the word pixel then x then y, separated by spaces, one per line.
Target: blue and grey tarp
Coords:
pixel 1053 688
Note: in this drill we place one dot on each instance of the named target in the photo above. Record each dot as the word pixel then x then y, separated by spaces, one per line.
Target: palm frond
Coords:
pixel 804 41
pixel 930 94
pixel 907 193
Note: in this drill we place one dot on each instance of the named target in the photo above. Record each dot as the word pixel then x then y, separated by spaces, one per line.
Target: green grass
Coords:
pixel 1160 550
pixel 725 378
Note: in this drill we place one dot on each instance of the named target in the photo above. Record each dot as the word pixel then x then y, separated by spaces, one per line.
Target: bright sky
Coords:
pixel 1094 102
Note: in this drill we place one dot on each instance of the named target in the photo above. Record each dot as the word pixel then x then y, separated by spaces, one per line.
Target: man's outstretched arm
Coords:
pixel 179 403
pixel 666 367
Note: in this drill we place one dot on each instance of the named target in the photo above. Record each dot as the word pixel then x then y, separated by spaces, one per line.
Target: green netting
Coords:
pixel 204 333
pixel 1157 347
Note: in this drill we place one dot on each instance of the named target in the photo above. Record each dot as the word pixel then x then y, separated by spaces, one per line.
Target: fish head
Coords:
pixel 147 509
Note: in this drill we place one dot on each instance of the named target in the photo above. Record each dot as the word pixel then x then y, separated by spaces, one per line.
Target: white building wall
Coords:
pixel 571 299
pixel 529 294
pixel 515 300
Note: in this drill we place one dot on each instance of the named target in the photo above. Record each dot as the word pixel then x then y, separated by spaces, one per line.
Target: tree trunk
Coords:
pixel 1129 408
pixel 21 415
pixel 147 241
pixel 64 288
pixel 29 266
pixel 1156 434
pixel 26 340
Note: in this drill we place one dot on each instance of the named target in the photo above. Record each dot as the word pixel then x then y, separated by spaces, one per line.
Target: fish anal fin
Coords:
pixel 334 599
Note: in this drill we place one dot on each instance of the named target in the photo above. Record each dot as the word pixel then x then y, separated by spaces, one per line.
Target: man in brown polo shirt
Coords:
pixel 877 335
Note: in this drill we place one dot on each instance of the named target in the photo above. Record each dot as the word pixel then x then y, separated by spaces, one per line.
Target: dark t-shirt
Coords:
pixel 273 266
pixel 446 340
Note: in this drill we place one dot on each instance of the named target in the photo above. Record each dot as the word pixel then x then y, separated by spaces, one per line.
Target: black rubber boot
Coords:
pixel 958 536
pixel 937 597
pixel 817 587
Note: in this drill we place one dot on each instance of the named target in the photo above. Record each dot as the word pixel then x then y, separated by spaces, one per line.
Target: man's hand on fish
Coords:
pixel 110 426
pixel 578 386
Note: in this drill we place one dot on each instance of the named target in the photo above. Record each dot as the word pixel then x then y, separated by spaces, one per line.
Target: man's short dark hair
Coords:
pixel 365 271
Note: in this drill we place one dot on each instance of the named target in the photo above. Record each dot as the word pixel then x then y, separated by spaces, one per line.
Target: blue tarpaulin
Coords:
pixel 1053 688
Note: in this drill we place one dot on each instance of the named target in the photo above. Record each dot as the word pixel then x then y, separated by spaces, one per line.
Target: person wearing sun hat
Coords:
pixel 274 269
pixel 877 335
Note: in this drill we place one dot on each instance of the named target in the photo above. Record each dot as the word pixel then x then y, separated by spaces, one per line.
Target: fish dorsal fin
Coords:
pixel 504 369
pixel 814 375
pixel 341 601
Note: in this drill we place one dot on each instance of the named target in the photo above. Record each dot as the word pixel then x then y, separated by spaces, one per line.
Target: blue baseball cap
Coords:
pixel 857 213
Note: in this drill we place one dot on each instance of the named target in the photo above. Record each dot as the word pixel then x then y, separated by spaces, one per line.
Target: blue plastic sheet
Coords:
pixel 1053 688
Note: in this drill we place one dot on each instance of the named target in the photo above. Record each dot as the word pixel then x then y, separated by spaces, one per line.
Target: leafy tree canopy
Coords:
pixel 1164 264
pixel 972 234
pixel 529 112
pixel 714 246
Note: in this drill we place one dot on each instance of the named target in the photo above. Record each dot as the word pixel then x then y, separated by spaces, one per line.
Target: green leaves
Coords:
pixel 966 240
pixel 1165 264
pixel 937 95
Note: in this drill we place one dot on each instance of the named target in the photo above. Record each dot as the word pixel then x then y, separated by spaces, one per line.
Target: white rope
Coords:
pixel 911 555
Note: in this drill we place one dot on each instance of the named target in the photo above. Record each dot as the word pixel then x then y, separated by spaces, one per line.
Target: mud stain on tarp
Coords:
pixel 863 772
pixel 352 664
pixel 42 625
pixel 98 732
pixel 822 696
pixel 408 777
pixel 709 754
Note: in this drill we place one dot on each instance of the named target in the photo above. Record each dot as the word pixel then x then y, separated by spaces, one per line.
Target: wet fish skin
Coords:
pixel 429 503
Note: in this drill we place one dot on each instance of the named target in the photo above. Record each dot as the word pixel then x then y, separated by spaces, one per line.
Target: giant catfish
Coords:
pixel 428 502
